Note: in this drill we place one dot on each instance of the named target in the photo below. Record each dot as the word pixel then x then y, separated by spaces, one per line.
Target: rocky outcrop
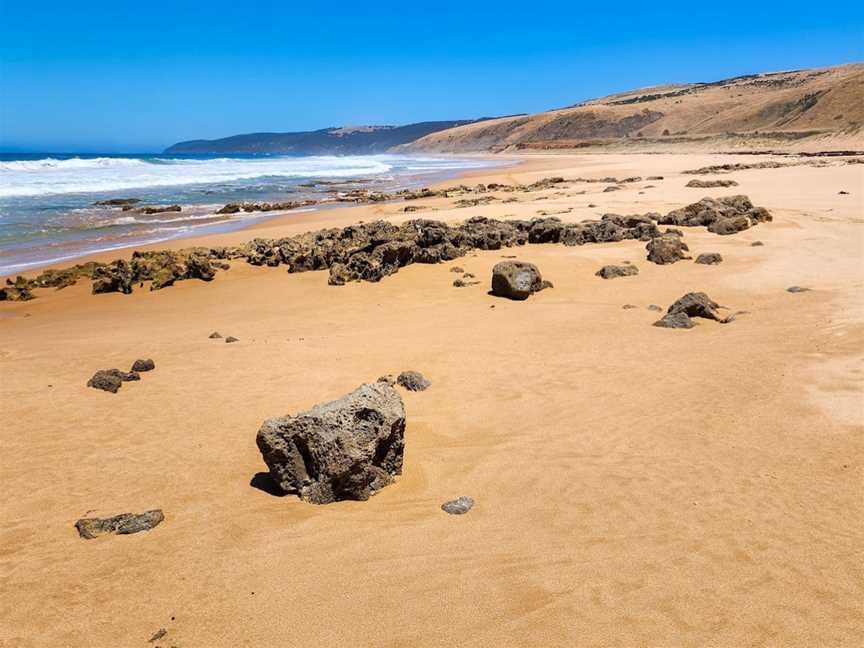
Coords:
pixel 726 215
pixel 123 524
pixel 516 280
pixel 413 381
pixel 613 271
pixel 667 249
pixel 349 448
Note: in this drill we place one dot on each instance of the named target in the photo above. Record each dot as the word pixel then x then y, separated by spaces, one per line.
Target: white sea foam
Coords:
pixel 96 175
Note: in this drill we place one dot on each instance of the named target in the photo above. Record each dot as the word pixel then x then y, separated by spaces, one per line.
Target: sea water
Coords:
pixel 48 216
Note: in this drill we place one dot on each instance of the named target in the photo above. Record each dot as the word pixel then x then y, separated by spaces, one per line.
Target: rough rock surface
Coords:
pixel 123 524
pixel 516 279
pixel 459 506
pixel 714 213
pixel 675 320
pixel 413 381
pixel 143 365
pixel 697 304
pixel 709 258
pixel 667 249
pixel 709 184
pixel 612 271
pixel 110 380
pixel 349 448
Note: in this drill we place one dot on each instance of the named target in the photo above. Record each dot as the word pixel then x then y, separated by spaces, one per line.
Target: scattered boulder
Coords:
pixel 111 380
pixel 697 304
pixel 347 449
pixel 797 289
pixel 612 271
pixel 161 209
pixel 143 365
pixel 123 524
pixel 675 320
pixel 666 249
pixel 710 184
pixel 230 339
pixel 413 381
pixel 516 279
pixel 459 506
pixel 709 258
pixel 215 335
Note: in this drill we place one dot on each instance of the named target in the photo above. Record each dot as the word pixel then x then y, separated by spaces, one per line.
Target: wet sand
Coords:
pixel 635 486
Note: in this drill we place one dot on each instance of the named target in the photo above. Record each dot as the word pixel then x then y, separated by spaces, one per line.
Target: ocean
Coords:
pixel 48 215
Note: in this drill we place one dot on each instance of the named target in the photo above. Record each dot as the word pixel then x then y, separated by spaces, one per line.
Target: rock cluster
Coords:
pixel 349 448
pixel 372 251
pixel 123 524
pixel 234 208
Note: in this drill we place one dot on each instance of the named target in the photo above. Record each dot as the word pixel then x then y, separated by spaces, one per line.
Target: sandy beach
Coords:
pixel 634 485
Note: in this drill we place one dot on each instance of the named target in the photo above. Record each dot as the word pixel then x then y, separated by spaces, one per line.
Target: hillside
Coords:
pixel 820 108
pixel 359 140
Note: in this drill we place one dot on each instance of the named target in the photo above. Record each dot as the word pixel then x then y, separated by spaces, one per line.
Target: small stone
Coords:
pixel 413 381
pixel 654 307
pixel 459 506
pixel 105 381
pixel 123 524
pixel 797 289
pixel 678 320
pixel 230 339
pixel 161 632
pixel 612 271
pixel 215 335
pixel 612 188
pixel 709 258
pixel 143 365
pixel 757 244
pixel 456 269
pixel 843 193
pixel 629 306
pixel 389 379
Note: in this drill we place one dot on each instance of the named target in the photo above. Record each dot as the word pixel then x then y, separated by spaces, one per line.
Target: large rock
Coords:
pixel 349 448
pixel 666 249
pixel 697 304
pixel 123 524
pixel 516 279
pixel 707 212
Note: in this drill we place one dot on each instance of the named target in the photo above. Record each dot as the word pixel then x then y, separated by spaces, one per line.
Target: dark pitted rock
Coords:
pixel 413 381
pixel 545 230
pixel 231 339
pixel 697 304
pixel 709 184
pixel 709 212
pixel 389 379
pixel 666 249
pixel 459 506
pixel 230 208
pixel 516 279
pixel 114 277
pixel 347 449
pixel 123 524
pixel 797 289
pixel 726 226
pixel 198 266
pixel 215 335
pixel 675 320
pixel 106 381
pixel 143 365
pixel 117 202
pixel 16 292
pixel 709 258
pixel 612 271
pixel 161 209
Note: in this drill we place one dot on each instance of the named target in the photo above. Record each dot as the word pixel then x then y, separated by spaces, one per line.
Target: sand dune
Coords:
pixel 635 486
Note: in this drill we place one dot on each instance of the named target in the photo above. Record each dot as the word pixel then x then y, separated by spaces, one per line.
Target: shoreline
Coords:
pixel 616 467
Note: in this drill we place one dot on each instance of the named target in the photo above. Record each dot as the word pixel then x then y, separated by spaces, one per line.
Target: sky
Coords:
pixel 125 76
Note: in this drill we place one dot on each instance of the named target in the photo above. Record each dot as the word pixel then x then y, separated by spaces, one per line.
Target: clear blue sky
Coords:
pixel 138 76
